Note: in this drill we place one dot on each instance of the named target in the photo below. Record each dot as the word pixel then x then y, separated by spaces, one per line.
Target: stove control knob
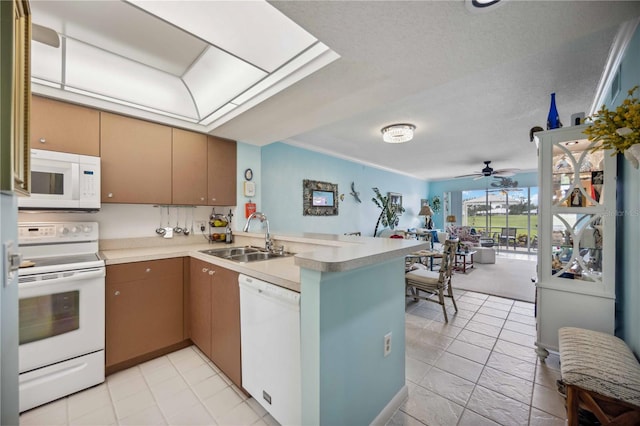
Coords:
pixel 86 229
pixel 74 230
pixel 63 230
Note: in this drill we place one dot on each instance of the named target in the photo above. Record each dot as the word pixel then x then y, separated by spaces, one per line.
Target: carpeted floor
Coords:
pixel 508 277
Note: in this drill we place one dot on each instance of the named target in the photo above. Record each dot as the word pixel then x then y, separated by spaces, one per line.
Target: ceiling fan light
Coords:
pixel 398 133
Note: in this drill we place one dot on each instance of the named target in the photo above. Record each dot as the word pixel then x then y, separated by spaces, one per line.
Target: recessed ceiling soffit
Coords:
pixel 200 62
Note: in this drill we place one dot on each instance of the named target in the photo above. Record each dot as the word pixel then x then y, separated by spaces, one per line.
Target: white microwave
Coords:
pixel 63 181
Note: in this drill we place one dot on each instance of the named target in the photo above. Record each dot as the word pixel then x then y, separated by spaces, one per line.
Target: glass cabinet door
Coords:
pixel 577 209
pixel 578 174
pixel 577 247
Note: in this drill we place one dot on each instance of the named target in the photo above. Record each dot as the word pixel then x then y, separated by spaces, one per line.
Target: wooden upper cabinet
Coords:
pixel 64 127
pixel 189 169
pixel 136 161
pixel 221 172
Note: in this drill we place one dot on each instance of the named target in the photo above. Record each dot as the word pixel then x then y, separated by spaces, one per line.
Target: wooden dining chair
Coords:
pixel 432 283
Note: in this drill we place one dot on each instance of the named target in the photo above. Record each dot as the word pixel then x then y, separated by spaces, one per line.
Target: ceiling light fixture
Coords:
pixel 480 6
pixel 398 133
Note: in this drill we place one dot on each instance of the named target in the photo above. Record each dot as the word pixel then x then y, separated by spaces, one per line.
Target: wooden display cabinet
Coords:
pixel 16 95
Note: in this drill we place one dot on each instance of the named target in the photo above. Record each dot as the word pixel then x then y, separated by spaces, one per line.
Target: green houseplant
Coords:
pixel 389 216
pixel 619 129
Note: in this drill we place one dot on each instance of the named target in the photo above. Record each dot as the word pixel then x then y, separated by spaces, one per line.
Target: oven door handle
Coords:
pixel 84 274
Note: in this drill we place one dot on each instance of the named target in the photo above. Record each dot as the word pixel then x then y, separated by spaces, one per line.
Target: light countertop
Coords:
pixel 320 252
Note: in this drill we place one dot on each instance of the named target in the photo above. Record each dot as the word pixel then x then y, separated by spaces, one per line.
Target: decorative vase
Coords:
pixel 633 155
pixel 553 119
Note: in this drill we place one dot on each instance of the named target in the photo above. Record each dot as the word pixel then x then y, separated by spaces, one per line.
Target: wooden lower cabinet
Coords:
pixel 225 324
pixel 215 316
pixel 200 305
pixel 144 308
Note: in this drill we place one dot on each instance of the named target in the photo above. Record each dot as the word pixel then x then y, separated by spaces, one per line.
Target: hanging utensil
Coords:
pixel 185 230
pixel 168 230
pixel 160 230
pixel 177 228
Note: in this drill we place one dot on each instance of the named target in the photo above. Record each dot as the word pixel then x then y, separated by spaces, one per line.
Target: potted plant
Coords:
pixel 619 130
pixel 389 216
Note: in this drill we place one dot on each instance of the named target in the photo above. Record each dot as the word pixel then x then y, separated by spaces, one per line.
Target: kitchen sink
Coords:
pixel 244 254
pixel 231 251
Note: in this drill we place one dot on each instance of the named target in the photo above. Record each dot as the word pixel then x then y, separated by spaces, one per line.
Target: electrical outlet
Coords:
pixel 387 344
pixel 202 226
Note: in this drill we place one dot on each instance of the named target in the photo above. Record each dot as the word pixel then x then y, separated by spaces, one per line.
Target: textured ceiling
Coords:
pixel 473 84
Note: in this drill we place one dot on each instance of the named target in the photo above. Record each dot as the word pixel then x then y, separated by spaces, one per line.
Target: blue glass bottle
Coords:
pixel 553 119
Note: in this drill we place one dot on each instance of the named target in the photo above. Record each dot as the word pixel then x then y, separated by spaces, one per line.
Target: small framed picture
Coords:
pixel 395 199
pixel 576 199
pixel 597 179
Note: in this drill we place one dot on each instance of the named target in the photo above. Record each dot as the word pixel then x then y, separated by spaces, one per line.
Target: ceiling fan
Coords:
pixel 488 171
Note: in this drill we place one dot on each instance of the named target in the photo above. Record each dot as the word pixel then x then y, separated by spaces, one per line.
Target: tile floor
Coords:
pixel 182 388
pixel 479 369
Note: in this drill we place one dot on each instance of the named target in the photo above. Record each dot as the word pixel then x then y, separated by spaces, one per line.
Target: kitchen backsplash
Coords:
pixel 135 220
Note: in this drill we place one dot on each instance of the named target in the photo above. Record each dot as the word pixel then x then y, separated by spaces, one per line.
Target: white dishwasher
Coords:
pixel 270 336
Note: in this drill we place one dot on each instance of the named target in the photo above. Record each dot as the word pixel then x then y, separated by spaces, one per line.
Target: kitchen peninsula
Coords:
pixel 352 295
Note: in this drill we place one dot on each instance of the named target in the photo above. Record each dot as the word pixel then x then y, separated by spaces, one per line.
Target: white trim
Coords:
pixel 618 49
pixel 389 410
pixel 333 154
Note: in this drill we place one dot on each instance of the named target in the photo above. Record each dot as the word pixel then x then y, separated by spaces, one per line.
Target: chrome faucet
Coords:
pixel 268 244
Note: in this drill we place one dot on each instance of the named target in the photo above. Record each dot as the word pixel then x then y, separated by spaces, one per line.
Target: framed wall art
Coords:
pixel 395 199
pixel 319 198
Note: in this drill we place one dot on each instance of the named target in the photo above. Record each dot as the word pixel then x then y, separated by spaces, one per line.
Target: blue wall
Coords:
pixel 249 157
pixel 346 379
pixel 628 244
pixel 284 167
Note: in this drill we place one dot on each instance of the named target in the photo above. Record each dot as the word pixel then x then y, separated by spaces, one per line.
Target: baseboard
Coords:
pixel 114 368
pixel 389 410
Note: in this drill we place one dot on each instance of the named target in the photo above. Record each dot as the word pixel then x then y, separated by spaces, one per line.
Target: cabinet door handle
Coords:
pixel 212 272
pixel 205 269
pixel 42 140
pixel 148 270
pixel 110 195
pixel 116 293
